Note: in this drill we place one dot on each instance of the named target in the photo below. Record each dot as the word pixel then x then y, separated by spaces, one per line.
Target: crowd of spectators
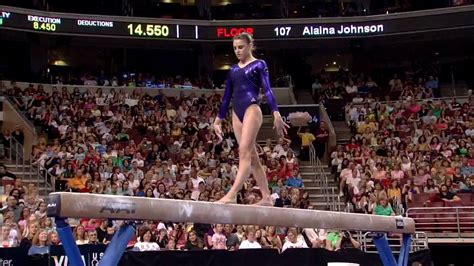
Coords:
pixel 112 143
pixel 401 150
pixel 362 88
pixel 129 79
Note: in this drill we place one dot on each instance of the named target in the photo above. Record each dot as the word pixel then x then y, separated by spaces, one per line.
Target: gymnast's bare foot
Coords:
pixel 267 201
pixel 228 200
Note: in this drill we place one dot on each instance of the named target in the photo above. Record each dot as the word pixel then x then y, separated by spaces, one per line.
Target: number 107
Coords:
pixel 282 31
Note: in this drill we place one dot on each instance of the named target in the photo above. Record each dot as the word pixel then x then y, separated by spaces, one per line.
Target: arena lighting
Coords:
pixel 85 205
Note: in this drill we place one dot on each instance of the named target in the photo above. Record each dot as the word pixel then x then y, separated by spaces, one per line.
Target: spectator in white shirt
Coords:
pixel 250 242
pixel 138 159
pixel 196 181
pixel 63 127
pixel 145 242
pixel 347 173
pixel 351 89
pixel 292 240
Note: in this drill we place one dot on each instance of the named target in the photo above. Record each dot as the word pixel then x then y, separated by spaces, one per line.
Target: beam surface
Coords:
pixel 82 205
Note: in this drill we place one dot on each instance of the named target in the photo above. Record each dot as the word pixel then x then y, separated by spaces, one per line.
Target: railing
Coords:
pixel 29 123
pixel 419 242
pixel 15 154
pixel 335 200
pixel 332 138
pixel 12 117
pixel 444 222
pixel 321 179
pixel 43 173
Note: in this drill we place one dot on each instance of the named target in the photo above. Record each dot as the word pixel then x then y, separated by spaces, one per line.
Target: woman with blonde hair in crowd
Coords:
pixel 29 233
pixel 40 243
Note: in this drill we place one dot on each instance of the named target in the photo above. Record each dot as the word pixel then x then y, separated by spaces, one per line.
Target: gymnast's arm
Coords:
pixel 226 99
pixel 265 83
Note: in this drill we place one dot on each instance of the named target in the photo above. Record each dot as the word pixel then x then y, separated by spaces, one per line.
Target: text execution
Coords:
pixel 44 19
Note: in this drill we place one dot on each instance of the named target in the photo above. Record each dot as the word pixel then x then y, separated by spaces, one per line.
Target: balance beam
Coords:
pixel 82 205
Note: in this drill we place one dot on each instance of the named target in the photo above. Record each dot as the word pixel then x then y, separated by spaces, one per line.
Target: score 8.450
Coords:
pixel 44 26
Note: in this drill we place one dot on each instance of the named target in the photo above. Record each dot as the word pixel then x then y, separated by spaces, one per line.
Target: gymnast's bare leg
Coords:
pixel 246 134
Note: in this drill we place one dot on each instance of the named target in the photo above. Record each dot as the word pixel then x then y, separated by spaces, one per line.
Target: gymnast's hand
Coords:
pixel 218 129
pixel 279 125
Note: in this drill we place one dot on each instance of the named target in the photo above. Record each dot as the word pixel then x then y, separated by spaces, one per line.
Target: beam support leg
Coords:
pixel 117 245
pixel 384 250
pixel 69 243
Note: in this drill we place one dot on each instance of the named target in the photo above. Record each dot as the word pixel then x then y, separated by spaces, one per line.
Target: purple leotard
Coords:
pixel 243 86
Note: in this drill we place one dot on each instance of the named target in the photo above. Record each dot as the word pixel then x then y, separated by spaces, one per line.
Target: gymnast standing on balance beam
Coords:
pixel 242 88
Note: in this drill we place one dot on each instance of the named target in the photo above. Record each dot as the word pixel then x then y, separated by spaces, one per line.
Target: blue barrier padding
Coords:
pixel 384 250
pixel 69 243
pixel 405 250
pixel 117 245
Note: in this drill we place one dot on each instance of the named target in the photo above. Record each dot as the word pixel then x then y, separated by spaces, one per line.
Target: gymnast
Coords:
pixel 242 87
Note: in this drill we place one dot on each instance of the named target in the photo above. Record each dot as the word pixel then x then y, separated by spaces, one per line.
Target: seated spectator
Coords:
pixel 250 241
pixel 178 235
pixel 218 238
pixel 408 190
pixel 430 187
pixel 80 235
pixel 12 206
pixel 146 241
pixel 446 195
pixel 5 175
pixel 9 237
pixel 28 235
pixel 92 238
pixel 284 200
pixel 292 240
pixel 54 237
pixel 110 234
pixel 337 240
pixel 162 238
pixel 194 242
pixel 78 182
pixel 383 207
pixel 232 241
pixel 40 244
pixel 317 237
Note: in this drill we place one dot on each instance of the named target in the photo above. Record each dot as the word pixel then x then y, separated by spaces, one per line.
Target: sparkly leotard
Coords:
pixel 243 86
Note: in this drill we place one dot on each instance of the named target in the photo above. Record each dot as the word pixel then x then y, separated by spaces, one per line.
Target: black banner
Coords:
pixel 259 257
pixel 91 255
